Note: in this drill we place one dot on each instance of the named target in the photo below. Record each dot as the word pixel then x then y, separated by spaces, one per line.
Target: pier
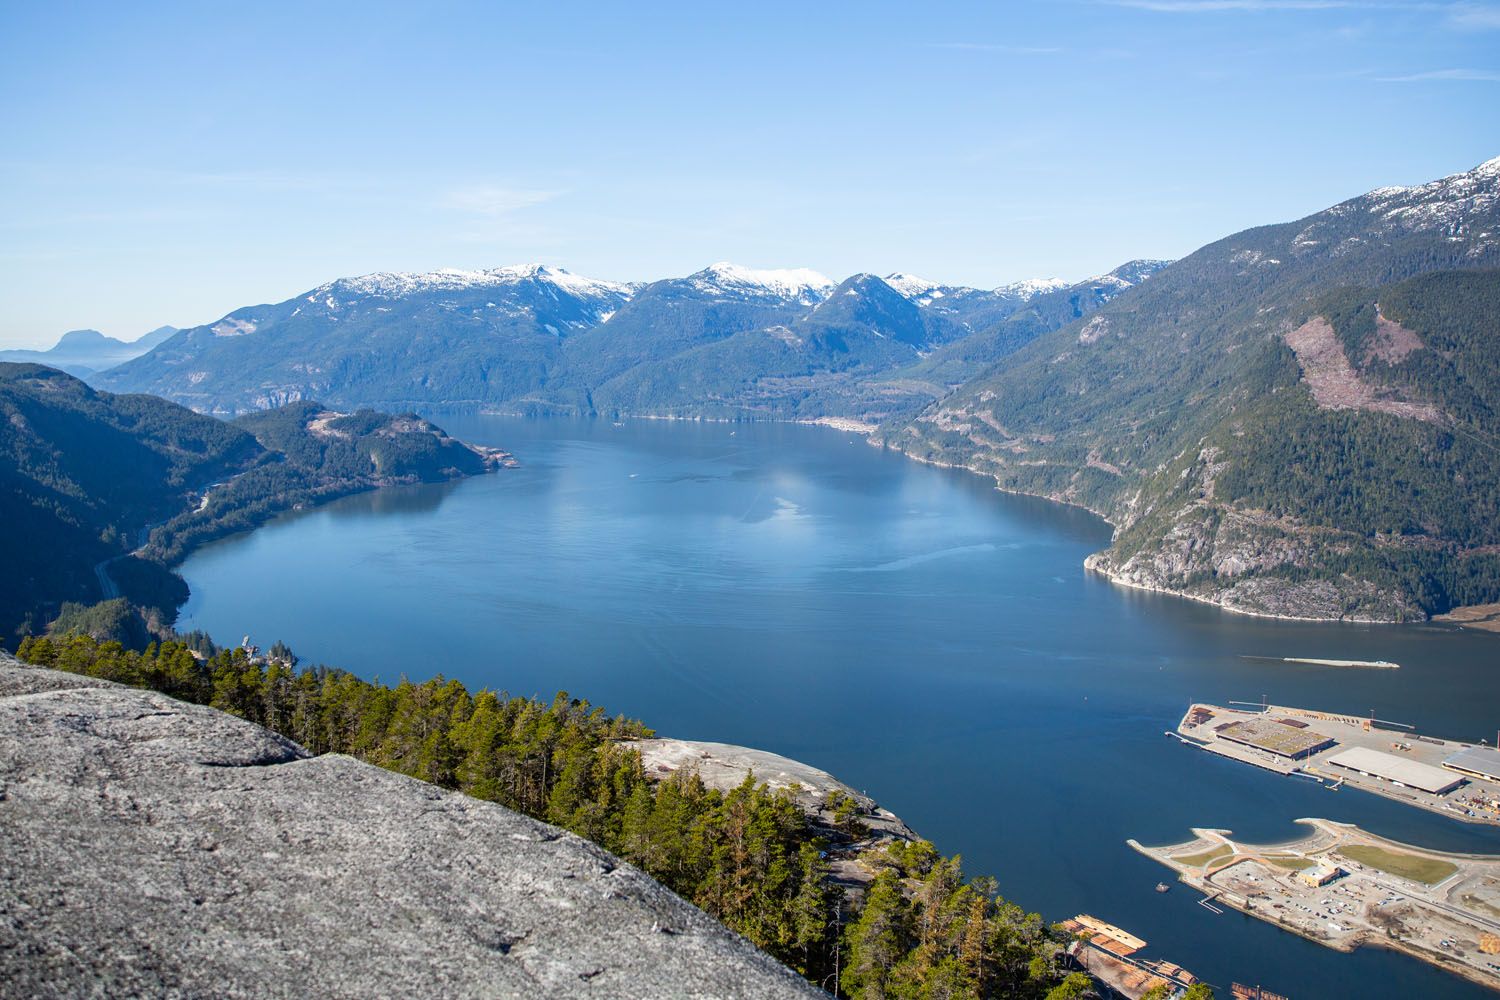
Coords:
pixel 1457 779
pixel 1109 955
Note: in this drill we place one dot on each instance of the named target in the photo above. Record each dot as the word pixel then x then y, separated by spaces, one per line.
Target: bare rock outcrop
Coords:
pixel 723 766
pixel 156 848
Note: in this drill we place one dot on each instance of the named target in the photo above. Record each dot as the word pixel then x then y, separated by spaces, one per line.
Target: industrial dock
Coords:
pixel 1457 779
pixel 1110 956
pixel 1344 887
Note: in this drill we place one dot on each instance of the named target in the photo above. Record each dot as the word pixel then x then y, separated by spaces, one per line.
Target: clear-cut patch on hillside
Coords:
pixel 1334 383
pixel 318 425
pixel 1392 341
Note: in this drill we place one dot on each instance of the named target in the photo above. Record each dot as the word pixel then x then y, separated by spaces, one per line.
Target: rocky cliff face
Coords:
pixel 1184 540
pixel 155 848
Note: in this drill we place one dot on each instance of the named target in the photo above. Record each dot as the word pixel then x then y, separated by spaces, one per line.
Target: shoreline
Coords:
pixel 1091 566
pixel 1486 620
pixel 1091 562
pixel 1326 837
pixel 999 488
pixel 1478 617
pixel 1396 945
pixel 495 460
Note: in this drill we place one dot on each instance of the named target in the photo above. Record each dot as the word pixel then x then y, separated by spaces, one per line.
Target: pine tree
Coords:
pixel 877 941
pixel 812 909
pixel 1074 986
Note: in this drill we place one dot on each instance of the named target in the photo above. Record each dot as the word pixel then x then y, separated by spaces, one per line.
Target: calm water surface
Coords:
pixel 909 629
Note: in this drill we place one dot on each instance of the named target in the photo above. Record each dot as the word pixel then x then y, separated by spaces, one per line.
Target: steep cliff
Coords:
pixel 157 848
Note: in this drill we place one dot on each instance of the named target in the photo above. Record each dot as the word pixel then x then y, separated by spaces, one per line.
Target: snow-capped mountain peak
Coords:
pixel 912 286
pixel 577 284
pixel 1453 184
pixel 1127 275
pixel 394 285
pixel 1030 288
pixel 800 283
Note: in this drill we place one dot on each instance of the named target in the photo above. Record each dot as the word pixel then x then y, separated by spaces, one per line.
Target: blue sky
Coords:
pixel 165 164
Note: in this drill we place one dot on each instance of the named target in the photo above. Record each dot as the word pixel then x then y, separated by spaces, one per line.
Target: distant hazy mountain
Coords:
pixel 149 341
pixel 83 352
pixel 1038 306
pixel 1282 422
pixel 668 317
pixel 811 363
pixel 970 310
pixel 538 338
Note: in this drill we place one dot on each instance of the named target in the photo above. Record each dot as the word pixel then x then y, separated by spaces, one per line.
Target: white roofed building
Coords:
pixel 1397 770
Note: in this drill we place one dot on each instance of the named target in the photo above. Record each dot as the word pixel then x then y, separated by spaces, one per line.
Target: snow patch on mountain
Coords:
pixel 231 327
pixel 1450 204
pixel 923 292
pixel 1114 281
pixel 1030 288
pixel 1127 275
pixel 912 286
pixel 802 284
pixel 575 284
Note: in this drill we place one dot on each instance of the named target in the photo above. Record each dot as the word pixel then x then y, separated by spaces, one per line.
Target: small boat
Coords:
pixel 1163 887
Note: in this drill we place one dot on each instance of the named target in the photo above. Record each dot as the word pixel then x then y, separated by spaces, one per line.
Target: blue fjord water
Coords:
pixel 922 636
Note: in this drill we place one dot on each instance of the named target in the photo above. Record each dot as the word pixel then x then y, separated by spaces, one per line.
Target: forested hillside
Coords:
pixel 965 358
pixel 100 493
pixel 83 475
pixel 1249 458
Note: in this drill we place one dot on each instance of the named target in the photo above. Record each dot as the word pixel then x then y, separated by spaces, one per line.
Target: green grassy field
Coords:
pixel 1418 869
pixel 1291 863
pixel 1205 859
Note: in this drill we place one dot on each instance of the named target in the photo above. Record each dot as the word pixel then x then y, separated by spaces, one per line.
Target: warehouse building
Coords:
pixel 1397 770
pixel 1477 762
pixel 1283 737
pixel 1321 874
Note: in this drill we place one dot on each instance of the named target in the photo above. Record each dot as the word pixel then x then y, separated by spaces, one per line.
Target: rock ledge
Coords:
pixel 156 848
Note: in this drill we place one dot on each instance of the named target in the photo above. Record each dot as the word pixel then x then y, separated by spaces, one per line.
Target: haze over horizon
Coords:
pixel 166 164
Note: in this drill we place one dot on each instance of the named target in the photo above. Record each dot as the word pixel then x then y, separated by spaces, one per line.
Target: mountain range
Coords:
pixel 726 341
pixel 1297 420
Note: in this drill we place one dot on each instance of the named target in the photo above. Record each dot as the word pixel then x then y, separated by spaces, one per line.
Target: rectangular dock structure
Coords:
pixel 1342 751
pixel 1282 737
pixel 1399 770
